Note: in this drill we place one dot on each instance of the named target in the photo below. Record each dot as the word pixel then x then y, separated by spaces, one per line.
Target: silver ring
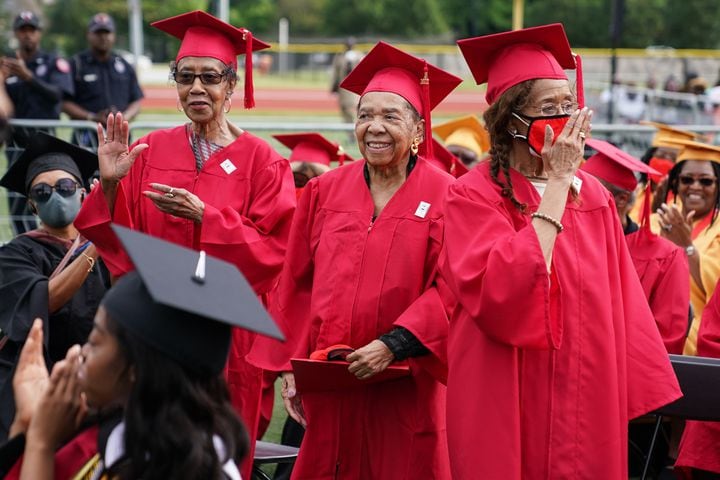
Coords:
pixel 169 195
pixel 582 134
pixel 667 227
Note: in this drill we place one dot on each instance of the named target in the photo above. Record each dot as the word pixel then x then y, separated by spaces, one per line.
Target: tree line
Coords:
pixel 674 23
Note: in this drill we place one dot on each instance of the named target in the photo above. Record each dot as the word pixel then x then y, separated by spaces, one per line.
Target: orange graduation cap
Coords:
pixel 503 60
pixel 667 135
pixel 614 165
pixel 697 151
pixel 313 147
pixel 388 69
pixel 467 132
pixel 203 35
pixel 446 161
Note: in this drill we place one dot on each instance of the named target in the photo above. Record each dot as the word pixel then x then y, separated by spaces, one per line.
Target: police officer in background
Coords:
pixel 104 82
pixel 36 82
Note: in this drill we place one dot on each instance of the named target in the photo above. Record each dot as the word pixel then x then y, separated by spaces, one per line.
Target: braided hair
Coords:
pixel 674 186
pixel 497 121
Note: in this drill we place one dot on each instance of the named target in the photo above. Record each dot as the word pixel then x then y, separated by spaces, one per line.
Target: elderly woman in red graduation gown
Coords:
pixel 361 271
pixel 552 346
pixel 207 185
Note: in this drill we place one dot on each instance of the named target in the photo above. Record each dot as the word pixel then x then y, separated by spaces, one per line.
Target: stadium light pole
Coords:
pixel 223 10
pixel 618 12
pixel 518 14
pixel 136 31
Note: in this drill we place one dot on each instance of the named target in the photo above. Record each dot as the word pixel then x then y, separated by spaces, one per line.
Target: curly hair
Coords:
pixel 674 186
pixel 497 121
pixel 171 417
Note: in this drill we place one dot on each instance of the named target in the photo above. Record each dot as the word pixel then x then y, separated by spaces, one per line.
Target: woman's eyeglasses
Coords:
pixel 551 109
pixel 206 78
pixel 704 181
pixel 65 187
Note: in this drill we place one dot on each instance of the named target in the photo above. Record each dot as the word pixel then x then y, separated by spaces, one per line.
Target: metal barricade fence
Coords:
pixel 635 139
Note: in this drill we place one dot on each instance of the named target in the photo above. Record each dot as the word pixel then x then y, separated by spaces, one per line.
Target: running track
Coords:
pixel 165 97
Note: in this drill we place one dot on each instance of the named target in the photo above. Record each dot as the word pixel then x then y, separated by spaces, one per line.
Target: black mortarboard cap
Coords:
pixel 183 303
pixel 45 153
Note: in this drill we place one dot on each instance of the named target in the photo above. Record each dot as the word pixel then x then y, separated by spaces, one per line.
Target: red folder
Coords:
pixel 323 375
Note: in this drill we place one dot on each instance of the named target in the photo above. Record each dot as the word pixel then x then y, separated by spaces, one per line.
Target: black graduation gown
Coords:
pixel 26 263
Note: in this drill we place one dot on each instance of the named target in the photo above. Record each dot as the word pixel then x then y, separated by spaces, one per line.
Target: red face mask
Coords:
pixel 536 130
pixel 662 165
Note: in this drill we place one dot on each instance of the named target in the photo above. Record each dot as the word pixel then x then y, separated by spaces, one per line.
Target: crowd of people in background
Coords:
pixel 498 302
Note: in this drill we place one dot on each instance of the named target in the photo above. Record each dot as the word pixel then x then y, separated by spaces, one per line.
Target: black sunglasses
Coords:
pixel 206 78
pixel 65 187
pixel 704 181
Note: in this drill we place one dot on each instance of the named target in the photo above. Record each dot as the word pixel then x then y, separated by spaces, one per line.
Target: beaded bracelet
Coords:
pixel 90 260
pixel 548 218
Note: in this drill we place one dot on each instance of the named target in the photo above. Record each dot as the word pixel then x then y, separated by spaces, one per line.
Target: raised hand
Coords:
pixel 114 157
pixel 61 408
pixel 563 157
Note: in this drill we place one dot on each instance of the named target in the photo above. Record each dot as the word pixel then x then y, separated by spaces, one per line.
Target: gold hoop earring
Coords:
pixel 228 103
pixel 179 106
pixel 415 146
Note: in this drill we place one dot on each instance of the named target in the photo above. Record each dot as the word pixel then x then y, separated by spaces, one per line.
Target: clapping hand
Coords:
pixel 30 380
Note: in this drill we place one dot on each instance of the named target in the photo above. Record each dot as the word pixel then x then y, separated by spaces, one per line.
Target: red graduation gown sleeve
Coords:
pixel 513 265
pixel 290 300
pixel 663 271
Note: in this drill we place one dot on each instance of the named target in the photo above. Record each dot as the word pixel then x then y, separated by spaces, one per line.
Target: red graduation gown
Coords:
pixel 249 204
pixel 663 270
pixel 348 280
pixel 544 370
pixel 700 440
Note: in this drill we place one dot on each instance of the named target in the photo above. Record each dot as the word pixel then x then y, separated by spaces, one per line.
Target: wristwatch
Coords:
pixel 690 250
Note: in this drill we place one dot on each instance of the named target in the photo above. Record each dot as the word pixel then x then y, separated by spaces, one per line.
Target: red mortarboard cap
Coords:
pixel 203 35
pixel 313 147
pixel 388 69
pixel 505 59
pixel 323 375
pixel 614 165
pixel 446 161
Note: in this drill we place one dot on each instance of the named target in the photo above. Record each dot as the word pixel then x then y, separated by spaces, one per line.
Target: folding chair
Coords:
pixel 699 379
pixel 269 453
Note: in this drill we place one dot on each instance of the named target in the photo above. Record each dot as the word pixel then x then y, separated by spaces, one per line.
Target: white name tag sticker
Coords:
pixel 90 77
pixel 228 166
pixel 422 209
pixel 577 184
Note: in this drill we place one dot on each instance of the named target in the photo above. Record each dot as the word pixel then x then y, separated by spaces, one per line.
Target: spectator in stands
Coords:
pixel 342 65
pixel 104 82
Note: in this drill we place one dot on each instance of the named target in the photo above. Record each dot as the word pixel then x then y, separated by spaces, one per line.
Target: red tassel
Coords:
pixel 426 146
pixel 645 214
pixel 579 81
pixel 249 89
